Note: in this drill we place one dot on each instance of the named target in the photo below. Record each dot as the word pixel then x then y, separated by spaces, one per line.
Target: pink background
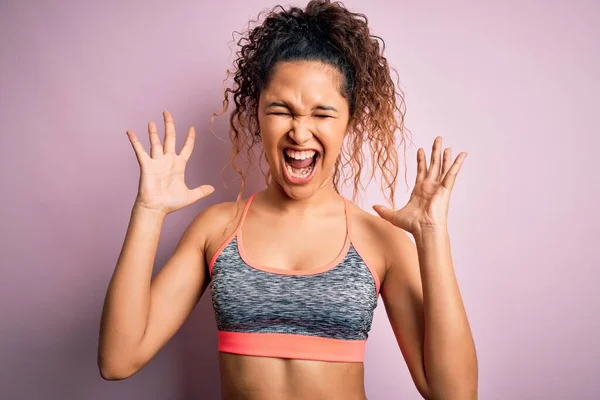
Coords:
pixel 513 83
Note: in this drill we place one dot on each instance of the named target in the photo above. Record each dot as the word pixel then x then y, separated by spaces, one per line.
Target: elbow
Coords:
pixel 425 392
pixel 464 389
pixel 115 364
pixel 113 370
pixel 465 392
pixel 460 383
pixel 466 395
pixel 115 374
pixel 109 375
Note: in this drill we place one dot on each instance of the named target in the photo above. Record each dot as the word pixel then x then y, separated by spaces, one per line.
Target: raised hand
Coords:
pixel 162 185
pixel 429 201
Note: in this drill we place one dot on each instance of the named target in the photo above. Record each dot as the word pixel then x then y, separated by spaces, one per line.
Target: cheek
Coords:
pixel 332 141
pixel 271 135
pixel 272 130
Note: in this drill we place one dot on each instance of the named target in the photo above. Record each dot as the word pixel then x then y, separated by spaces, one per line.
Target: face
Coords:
pixel 303 119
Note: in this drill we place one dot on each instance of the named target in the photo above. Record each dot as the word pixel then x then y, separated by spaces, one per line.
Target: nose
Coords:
pixel 300 131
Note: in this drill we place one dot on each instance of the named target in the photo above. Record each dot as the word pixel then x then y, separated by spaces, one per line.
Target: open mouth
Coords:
pixel 300 166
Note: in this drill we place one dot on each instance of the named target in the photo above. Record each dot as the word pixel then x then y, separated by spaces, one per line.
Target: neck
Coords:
pixel 322 199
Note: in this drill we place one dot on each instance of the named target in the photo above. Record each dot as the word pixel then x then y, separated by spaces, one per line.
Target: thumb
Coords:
pixel 201 192
pixel 385 213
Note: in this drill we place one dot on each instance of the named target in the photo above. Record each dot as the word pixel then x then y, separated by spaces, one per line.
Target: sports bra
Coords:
pixel 319 314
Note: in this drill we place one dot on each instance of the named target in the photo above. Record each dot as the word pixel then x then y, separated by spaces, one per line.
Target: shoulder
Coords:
pixel 214 221
pixel 222 212
pixel 391 243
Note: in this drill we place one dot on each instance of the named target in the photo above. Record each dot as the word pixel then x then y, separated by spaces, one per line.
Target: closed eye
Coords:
pixel 320 116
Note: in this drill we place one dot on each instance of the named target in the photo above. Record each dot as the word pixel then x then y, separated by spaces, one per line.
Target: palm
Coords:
pixel 425 207
pixel 162 182
pixel 162 179
pixel 428 205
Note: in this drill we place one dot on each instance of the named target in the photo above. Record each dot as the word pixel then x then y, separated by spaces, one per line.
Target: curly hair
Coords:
pixel 327 32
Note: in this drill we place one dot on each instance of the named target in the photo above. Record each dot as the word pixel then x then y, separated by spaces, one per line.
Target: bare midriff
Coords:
pixel 267 378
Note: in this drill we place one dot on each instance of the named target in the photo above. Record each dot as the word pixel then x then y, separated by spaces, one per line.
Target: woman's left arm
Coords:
pixel 420 290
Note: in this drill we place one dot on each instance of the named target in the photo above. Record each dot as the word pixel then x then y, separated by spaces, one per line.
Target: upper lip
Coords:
pixel 300 149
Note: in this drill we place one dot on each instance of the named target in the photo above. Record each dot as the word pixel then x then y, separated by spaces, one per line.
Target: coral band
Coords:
pixel 285 345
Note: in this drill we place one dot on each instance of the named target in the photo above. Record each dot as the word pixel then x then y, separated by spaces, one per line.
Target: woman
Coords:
pixel 296 269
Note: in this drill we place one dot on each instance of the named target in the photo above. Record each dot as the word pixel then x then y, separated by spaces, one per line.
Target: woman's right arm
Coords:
pixel 141 314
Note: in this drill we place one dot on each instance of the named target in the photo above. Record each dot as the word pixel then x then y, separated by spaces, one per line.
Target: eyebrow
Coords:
pixel 319 107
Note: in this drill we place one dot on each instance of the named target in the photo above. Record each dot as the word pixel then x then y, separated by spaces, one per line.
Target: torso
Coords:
pixel 272 241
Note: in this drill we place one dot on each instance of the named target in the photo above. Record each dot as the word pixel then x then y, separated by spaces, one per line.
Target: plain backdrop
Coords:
pixel 513 83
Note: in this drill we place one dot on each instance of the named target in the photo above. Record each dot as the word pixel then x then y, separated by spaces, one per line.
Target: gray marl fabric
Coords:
pixel 337 303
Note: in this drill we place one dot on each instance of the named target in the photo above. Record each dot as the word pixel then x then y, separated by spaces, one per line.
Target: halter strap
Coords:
pixel 347 217
pixel 246 210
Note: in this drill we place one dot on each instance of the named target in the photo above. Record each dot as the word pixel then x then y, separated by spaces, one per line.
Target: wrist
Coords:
pixel 146 212
pixel 430 233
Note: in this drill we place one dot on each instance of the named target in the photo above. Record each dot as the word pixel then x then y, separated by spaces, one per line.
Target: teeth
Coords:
pixel 300 155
